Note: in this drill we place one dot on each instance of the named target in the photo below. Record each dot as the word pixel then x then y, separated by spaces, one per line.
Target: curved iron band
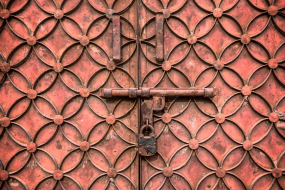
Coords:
pixel 147 92
pixel 262 83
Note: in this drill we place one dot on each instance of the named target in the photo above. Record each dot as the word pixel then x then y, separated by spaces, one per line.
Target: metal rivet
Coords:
pixel 84 92
pixel 84 40
pixel 219 65
pixel 109 13
pixel 273 63
pixel 58 14
pixel 5 122
pixel 58 119
pixel 272 10
pixel 32 94
pixel 273 117
pixel 220 118
pixel 193 144
pixel 58 67
pixel 166 65
pixel 246 90
pixel 247 145
pixel 220 173
pixel 111 65
pixel 31 147
pixel 112 172
pixel 245 39
pixel 192 39
pixel 166 13
pixel 5 67
pixel 58 175
pixel 31 40
pixel 277 172
pixel 218 12
pixel 4 13
pixel 4 175
pixel 166 118
pixel 167 172
pixel 84 146
pixel 111 119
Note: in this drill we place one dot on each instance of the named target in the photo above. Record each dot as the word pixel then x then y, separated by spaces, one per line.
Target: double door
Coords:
pixel 57 132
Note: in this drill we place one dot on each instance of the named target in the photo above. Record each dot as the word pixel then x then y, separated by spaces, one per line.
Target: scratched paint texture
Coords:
pixel 235 140
pixel 57 133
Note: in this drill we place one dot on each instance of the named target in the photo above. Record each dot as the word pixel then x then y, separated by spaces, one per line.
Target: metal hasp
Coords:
pixel 147 144
pixel 158 96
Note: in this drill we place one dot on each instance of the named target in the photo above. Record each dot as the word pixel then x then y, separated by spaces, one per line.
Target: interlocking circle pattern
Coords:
pixel 235 140
pixel 57 133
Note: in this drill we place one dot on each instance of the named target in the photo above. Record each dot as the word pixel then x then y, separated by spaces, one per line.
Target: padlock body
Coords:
pixel 147 146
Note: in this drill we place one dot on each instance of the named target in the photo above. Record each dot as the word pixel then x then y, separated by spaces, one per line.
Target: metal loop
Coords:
pixel 147 127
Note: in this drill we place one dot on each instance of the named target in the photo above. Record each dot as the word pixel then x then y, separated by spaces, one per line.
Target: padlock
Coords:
pixel 147 144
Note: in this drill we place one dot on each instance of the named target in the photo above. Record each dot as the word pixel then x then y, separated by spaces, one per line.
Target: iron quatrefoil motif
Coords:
pixel 57 132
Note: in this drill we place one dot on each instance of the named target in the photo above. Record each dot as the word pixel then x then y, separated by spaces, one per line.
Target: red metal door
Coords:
pixel 236 139
pixel 57 133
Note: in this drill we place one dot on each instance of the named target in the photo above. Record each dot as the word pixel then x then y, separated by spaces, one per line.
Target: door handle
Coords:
pixel 159 50
pixel 160 17
pixel 116 38
pixel 116 34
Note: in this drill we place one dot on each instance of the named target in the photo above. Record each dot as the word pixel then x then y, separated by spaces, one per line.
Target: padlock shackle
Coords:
pixel 146 126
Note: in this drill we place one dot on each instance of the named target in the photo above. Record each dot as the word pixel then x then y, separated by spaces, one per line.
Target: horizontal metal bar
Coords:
pixel 147 92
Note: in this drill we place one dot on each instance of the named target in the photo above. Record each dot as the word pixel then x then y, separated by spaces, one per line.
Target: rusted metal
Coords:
pixel 193 144
pixel 116 38
pixel 220 173
pixel 159 37
pixel 147 112
pixel 112 173
pixel 84 146
pixel 158 103
pixel 56 134
pixel 166 118
pixel 168 172
pixel 54 57
pixel 111 119
pixel 216 143
pixel 147 143
pixel 158 92
pixel 58 175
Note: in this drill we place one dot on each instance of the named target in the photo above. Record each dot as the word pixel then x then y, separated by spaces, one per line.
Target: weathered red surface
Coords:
pixel 236 139
pixel 57 133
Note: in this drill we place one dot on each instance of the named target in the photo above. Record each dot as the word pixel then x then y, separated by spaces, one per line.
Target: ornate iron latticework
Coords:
pixel 56 132
pixel 236 140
